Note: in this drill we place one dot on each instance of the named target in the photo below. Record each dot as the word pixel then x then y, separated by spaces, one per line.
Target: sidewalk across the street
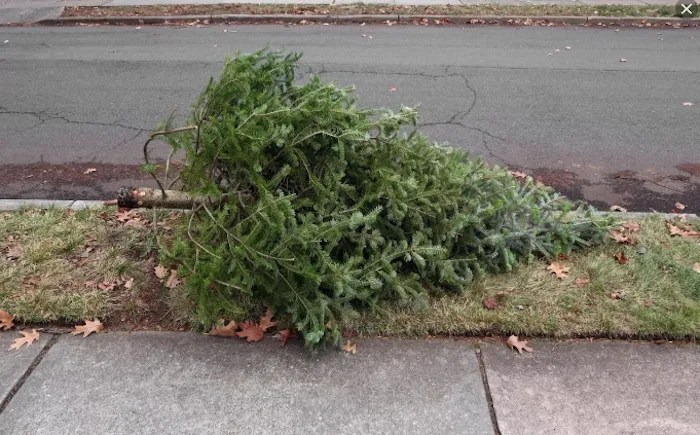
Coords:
pixel 160 383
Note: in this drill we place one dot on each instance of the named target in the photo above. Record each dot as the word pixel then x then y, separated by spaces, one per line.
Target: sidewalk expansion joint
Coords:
pixel 25 376
pixel 487 390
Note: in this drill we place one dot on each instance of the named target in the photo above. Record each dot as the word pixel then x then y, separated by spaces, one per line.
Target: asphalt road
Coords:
pixel 580 119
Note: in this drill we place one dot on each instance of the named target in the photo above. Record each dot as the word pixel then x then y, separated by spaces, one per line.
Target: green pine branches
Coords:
pixel 319 208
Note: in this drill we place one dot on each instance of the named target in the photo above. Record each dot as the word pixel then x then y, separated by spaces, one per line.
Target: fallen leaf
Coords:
pixel 519 175
pixel 490 303
pixel 688 104
pixel 89 171
pixel 251 331
pixel 678 231
pixel 160 271
pixel 283 336
pixel 620 257
pixel 14 252
pixel 350 347
pixel 616 295
pixel 648 304
pixel 88 328
pixel 106 285
pixel 567 47
pixel 618 208
pixel 623 60
pixel 266 321
pixel 514 343
pixel 229 330
pixel 632 227
pixel 129 283
pixel 696 267
pixel 27 338
pixel 558 269
pixel 172 281
pixel 6 321
pixel 392 89
pixel 679 206
pixel 581 281
pixel 621 238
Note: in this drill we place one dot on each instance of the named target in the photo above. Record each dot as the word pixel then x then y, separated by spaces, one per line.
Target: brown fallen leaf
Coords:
pixel 558 269
pixel 615 295
pixel 518 174
pixel 283 335
pixel 266 321
pixel 229 330
pixel 106 285
pixel 160 271
pixel 14 252
pixel 679 206
pixel 89 171
pixel 648 304
pixel 678 231
pixel 490 303
pixel 620 258
pixel 621 238
pixel 618 208
pixel 514 343
pixel 632 227
pixel 581 281
pixel 350 347
pixel 88 328
pixel 251 331
pixel 27 339
pixel 173 280
pixel 128 283
pixel 6 321
pixel 696 267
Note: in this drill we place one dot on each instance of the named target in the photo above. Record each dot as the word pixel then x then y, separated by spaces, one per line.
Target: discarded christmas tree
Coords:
pixel 317 208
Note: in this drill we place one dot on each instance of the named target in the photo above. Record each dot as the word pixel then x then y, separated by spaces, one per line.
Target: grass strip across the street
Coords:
pixel 369 9
pixel 59 267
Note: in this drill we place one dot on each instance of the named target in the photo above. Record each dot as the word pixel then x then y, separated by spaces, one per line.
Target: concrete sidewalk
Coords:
pixel 29 11
pixel 187 383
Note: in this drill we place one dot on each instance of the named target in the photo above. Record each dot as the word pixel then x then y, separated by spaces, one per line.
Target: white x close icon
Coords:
pixel 686 8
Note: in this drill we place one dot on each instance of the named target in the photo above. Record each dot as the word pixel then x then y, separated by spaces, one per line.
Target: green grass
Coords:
pixel 660 290
pixel 368 9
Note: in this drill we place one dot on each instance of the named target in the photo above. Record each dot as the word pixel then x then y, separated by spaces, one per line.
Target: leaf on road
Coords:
pixel 89 171
pixel 490 303
pixel 160 271
pixel 618 208
pixel 679 206
pixel 623 60
pixel 6 321
pixel 229 330
pixel 392 89
pixel 558 269
pixel 514 343
pixel 581 281
pixel 519 175
pixel 283 336
pixel 88 328
pixel 27 339
pixel 350 347
pixel 251 331
pixel 688 104
pixel 620 257
pixel 266 321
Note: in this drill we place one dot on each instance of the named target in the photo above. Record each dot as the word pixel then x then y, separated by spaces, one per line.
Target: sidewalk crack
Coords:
pixel 487 390
pixel 25 376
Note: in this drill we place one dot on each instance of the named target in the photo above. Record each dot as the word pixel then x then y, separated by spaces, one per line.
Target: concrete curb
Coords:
pixel 80 204
pixel 375 19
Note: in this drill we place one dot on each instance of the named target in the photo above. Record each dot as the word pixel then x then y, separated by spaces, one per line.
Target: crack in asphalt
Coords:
pixel 44 116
